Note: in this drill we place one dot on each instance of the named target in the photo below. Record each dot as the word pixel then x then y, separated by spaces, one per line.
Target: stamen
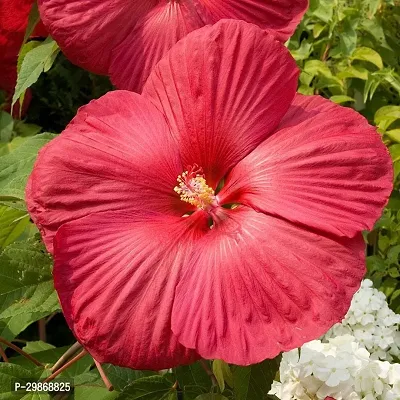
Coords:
pixel 193 189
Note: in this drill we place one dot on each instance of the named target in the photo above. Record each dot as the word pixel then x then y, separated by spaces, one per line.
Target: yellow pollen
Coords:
pixel 193 189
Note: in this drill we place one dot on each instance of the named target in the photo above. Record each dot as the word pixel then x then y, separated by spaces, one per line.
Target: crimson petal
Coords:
pixel 126 38
pixel 279 16
pixel 223 89
pixel 258 285
pixel 87 30
pixel 115 274
pixel 149 41
pixel 116 154
pixel 325 167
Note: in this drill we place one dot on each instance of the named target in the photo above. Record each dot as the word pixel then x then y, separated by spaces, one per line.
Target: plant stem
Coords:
pixel 103 375
pixel 3 354
pixel 18 350
pixel 66 356
pixel 65 366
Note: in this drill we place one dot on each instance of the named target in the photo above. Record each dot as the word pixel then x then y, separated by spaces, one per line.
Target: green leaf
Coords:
pixel 317 67
pixel 35 62
pixel 25 49
pixel 12 224
pixel 386 115
pixel 348 39
pixel 6 127
pixel 254 382
pixel 16 166
pixel 91 392
pixel 193 375
pixel 303 52
pixel 26 287
pixel 24 129
pixel 324 11
pixel 341 99
pixel 121 377
pixel 33 20
pixel 353 71
pixel 78 373
pixel 11 374
pixel 367 54
pixel 393 135
pixel 318 29
pixel 211 396
pixel 149 388
pixel 222 373
pixel 395 152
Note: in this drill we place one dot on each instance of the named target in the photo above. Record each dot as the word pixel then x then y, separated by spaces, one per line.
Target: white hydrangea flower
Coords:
pixel 372 323
pixel 348 363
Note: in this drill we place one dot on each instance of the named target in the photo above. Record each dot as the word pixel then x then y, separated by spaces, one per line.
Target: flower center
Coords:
pixel 193 189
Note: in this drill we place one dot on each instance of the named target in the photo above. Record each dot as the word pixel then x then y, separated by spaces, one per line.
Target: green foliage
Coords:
pixel 149 388
pixel 350 48
pixel 26 286
pixel 254 382
pixel 16 166
pixel 35 61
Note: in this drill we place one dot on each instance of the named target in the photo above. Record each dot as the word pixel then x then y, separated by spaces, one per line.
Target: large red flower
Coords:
pixel 13 22
pixel 152 266
pixel 126 38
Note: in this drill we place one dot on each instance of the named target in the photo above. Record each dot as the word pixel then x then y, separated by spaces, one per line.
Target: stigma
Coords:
pixel 192 188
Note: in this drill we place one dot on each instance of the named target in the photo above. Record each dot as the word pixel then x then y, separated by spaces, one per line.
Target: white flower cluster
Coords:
pixel 351 362
pixel 372 323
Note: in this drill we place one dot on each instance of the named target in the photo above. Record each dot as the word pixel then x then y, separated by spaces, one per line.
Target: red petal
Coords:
pixel 281 17
pixel 88 30
pixel 259 285
pixel 149 41
pixel 223 89
pixel 126 38
pixel 117 154
pixel 115 274
pixel 325 167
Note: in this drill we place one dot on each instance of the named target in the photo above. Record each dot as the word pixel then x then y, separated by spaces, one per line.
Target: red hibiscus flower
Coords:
pixel 216 215
pixel 13 22
pixel 126 38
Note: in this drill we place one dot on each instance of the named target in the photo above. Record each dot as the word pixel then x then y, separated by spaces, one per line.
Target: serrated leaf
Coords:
pixel 6 127
pixel 367 54
pixel 16 166
pixel 121 377
pixel 254 382
pixel 149 388
pixel 11 374
pixel 26 283
pixel 35 62
pixel 12 224
pixel 13 326
pixel 88 392
pixel 193 375
pixel 211 396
